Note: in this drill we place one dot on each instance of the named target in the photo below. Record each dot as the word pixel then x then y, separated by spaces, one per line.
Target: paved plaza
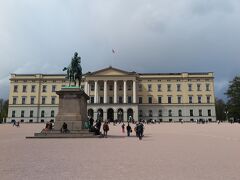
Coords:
pixel 167 151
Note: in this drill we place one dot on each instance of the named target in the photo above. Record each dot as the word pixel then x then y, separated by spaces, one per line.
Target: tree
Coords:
pixel 220 109
pixel 233 94
pixel 3 110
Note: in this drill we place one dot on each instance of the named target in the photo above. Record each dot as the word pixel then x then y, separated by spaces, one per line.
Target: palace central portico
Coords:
pixel 113 94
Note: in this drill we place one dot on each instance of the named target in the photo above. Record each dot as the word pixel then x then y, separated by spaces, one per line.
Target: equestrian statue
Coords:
pixel 74 70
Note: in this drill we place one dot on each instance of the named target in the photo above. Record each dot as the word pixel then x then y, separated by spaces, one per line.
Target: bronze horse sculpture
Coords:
pixel 74 70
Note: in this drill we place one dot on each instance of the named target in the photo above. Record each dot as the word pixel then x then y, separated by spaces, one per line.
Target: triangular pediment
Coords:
pixel 111 71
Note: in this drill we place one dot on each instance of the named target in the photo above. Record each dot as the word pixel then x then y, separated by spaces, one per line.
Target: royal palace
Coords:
pixel 117 95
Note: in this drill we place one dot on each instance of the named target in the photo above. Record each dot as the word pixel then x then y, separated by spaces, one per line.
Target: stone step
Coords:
pixel 63 135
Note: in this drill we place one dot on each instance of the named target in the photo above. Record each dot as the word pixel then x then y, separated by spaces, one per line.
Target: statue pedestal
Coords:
pixel 72 111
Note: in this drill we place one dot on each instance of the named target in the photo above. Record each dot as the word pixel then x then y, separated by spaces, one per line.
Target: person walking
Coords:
pixel 139 130
pixel 129 129
pixel 123 128
pixel 105 129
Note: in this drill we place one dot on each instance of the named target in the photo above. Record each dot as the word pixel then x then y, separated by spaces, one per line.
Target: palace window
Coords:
pixel 42 113
pixel 149 87
pixel 53 100
pixel 24 88
pixel 43 100
pixel 33 88
pixel 140 113
pixel 179 99
pixel 199 99
pixel 140 100
pixel 15 88
pixel 159 99
pixel 160 113
pixel 170 113
pixel 101 99
pixel 150 113
pixel 190 99
pixel 159 87
pixel 198 87
pixel 52 113
pixel 200 112
pixel 189 87
pixel 101 88
pixel 169 99
pixel 14 100
pixel 208 99
pixel 209 112
pixel 169 87
pixel 53 88
pixel 110 99
pixel 92 87
pixel 44 88
pixel 32 100
pixel 13 113
pixel 191 112
pixel 110 87
pixel 120 99
pixel 22 113
pixel 120 87
pixel 31 113
pixel 23 100
pixel 129 99
pixel 207 87
pixel 92 99
pixel 178 87
pixel 149 99
pixel 129 87
pixel 180 113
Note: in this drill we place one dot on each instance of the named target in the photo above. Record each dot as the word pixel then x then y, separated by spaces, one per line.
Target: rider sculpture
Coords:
pixel 74 70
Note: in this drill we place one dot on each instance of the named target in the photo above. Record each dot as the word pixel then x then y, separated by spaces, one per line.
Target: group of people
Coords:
pixel 49 126
pixel 139 128
pixel 96 128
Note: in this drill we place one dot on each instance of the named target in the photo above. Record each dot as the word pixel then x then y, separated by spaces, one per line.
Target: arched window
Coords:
pixel 150 113
pixel 170 113
pixel 42 113
pixel 180 112
pixel 160 113
pixel 52 113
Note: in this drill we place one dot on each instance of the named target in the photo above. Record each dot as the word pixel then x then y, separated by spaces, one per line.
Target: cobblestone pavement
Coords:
pixel 167 152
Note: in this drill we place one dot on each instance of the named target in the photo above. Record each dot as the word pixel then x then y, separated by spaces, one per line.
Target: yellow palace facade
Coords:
pixel 117 94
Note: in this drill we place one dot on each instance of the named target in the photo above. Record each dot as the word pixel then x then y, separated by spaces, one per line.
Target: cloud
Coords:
pixel 148 36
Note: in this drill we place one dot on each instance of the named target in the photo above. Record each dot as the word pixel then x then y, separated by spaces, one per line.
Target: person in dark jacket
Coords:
pixel 129 129
pixel 91 120
pixel 139 130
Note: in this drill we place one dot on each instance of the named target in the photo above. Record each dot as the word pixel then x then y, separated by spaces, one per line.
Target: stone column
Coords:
pixel 124 91
pixel 115 92
pixel 96 92
pixel 134 91
pixel 105 92
pixel 86 87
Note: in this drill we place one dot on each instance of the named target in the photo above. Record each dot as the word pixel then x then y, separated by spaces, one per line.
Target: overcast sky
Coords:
pixel 40 36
